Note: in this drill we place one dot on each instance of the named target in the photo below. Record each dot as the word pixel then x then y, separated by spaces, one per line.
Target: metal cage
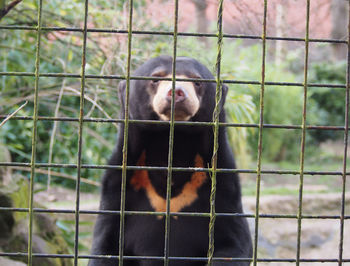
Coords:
pixel 33 165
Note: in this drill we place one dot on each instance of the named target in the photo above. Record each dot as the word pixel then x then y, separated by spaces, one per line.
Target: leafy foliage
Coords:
pixel 61 52
pixel 67 228
pixel 330 102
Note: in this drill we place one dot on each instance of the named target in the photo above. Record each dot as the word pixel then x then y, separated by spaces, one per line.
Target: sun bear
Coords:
pixel 148 145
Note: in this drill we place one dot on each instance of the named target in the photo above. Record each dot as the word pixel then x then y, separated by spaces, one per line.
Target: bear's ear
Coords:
pixel 121 93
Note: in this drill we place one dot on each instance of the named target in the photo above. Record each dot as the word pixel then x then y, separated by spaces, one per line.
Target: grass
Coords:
pixel 276 184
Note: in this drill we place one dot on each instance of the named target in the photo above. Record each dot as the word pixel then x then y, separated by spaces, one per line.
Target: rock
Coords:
pixel 5 172
pixel 8 262
pixel 46 237
pixel 319 237
pixel 7 220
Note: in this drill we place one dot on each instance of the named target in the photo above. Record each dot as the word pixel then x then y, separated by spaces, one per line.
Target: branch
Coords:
pixel 57 174
pixel 11 115
pixel 5 9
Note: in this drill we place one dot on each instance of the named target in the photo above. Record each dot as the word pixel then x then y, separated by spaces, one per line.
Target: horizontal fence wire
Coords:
pixel 159 258
pixel 178 169
pixel 225 81
pixel 184 214
pixel 182 123
pixel 170 33
pixel 77 211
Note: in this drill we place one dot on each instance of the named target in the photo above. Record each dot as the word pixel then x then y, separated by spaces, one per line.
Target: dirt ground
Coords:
pixel 319 237
pixel 277 237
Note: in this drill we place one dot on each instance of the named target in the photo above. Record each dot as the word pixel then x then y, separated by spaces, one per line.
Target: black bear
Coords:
pixel 148 145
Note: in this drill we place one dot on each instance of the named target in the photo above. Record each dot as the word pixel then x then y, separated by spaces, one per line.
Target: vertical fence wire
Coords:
pixel 126 135
pixel 346 140
pixel 303 132
pixel 34 135
pixel 213 169
pixel 171 139
pixel 261 124
pixel 218 95
pixel 80 136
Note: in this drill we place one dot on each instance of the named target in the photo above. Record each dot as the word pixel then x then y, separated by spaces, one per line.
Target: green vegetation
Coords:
pixel 107 54
pixel 61 52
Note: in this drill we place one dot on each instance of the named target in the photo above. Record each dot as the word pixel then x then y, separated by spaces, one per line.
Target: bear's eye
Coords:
pixel 154 81
pixel 160 73
pixel 197 84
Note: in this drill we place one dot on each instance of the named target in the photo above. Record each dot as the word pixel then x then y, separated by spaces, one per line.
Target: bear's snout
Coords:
pixel 185 99
pixel 180 94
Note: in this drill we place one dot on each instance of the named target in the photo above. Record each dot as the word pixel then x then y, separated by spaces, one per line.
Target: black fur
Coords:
pixel 144 235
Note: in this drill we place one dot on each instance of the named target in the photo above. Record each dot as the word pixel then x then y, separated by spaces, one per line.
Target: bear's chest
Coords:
pixel 151 185
pixel 185 239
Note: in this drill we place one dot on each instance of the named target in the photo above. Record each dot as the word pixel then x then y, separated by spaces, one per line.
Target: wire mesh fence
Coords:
pixel 260 126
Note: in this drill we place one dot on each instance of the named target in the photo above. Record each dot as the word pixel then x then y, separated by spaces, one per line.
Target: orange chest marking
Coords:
pixel 140 180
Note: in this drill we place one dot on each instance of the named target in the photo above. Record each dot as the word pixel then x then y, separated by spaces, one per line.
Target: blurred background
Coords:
pixel 61 52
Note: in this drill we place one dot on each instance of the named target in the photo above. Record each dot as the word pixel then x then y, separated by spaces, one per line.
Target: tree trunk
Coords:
pixel 280 32
pixel 340 20
pixel 201 18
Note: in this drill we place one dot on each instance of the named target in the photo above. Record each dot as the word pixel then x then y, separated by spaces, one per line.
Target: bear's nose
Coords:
pixel 180 95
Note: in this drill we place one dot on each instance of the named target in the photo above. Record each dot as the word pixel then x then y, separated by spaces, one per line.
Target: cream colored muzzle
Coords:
pixel 186 100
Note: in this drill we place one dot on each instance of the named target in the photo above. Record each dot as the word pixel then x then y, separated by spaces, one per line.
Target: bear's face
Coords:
pixel 187 97
pixel 151 99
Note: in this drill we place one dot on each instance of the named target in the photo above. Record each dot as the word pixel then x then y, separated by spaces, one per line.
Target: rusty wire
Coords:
pixel 216 124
